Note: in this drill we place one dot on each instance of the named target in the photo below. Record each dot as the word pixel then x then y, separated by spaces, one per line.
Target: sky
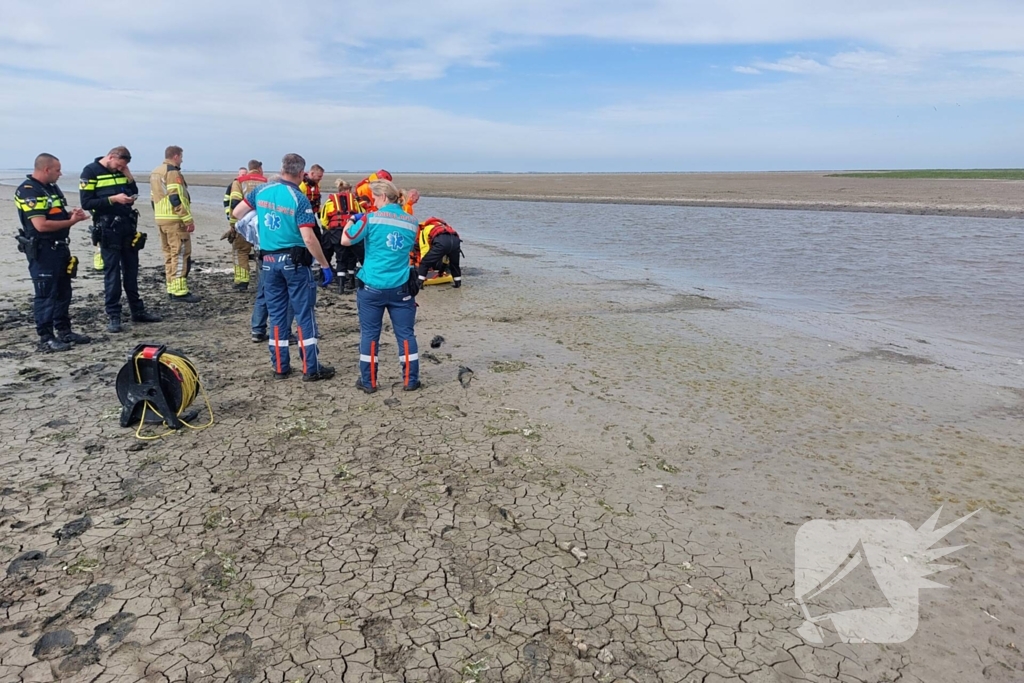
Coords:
pixel 559 85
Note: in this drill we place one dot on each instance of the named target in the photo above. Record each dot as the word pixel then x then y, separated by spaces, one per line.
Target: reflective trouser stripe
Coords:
pixel 277 347
pixel 373 364
pixel 406 345
pixel 178 286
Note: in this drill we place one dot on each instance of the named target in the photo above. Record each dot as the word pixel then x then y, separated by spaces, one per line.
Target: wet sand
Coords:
pixel 820 191
pixel 612 495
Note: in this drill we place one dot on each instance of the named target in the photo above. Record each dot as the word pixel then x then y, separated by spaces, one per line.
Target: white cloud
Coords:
pixel 874 62
pixel 793 65
pixel 228 79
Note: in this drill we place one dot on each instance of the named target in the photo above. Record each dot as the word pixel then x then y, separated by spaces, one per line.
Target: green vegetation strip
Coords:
pixel 970 174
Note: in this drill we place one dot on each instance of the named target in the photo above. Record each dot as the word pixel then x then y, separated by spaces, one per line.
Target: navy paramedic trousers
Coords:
pixel 287 285
pixel 401 309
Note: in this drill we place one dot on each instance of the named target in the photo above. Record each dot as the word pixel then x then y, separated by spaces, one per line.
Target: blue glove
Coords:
pixel 328 274
pixel 356 217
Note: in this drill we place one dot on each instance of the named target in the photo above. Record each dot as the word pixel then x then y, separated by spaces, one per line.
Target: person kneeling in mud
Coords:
pixel 385 282
pixel 439 241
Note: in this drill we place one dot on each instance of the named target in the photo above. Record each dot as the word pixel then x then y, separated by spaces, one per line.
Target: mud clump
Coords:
pixel 73 529
pixel 26 563
pixel 83 604
pixel 55 644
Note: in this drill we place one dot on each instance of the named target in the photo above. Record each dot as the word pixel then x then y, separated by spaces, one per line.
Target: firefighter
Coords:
pixel 108 190
pixel 241 186
pixel 337 211
pixel 227 195
pixel 45 229
pixel 438 240
pixel 171 207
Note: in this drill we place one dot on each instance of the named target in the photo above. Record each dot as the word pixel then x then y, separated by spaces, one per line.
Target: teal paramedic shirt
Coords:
pixel 390 235
pixel 281 209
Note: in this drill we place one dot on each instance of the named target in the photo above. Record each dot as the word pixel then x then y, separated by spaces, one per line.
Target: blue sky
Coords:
pixel 652 85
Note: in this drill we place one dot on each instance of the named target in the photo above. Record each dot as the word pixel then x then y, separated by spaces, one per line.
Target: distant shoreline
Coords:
pixel 781 190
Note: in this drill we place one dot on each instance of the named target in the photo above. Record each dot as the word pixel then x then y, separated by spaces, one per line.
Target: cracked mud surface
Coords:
pixel 583 491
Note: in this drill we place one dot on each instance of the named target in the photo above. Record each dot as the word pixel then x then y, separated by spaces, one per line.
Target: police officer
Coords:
pixel 171 208
pixel 108 191
pixel 45 227
pixel 288 247
pixel 438 240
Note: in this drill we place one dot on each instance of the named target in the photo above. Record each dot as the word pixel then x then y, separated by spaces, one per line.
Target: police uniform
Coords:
pixel 240 248
pixel 436 241
pixel 49 261
pixel 172 210
pixel 115 230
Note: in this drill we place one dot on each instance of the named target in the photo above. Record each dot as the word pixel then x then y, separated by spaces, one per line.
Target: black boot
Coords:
pixel 69 337
pixel 144 317
pixel 350 283
pixel 114 326
pixel 52 345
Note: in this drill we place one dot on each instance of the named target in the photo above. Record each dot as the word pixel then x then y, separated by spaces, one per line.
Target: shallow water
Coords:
pixel 960 279
pixel 948 279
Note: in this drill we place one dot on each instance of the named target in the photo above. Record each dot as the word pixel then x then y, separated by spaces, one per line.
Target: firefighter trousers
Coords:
pixel 240 250
pixel 176 243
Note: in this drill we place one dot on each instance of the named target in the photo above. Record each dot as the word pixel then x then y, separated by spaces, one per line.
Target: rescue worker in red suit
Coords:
pixel 439 240
pixel 338 209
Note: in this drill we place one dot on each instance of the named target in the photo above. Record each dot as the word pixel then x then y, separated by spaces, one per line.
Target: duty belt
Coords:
pixel 53 244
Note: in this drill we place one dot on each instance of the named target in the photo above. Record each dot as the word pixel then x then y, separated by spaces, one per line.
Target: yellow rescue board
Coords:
pixel 444 279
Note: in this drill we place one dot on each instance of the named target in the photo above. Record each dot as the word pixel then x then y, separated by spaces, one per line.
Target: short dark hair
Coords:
pixel 172 151
pixel 316 167
pixel 121 152
pixel 44 160
pixel 255 165
pixel 293 164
